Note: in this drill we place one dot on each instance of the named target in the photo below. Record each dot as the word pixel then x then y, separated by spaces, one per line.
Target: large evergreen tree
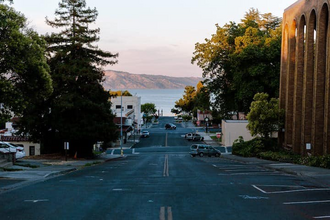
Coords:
pixel 79 109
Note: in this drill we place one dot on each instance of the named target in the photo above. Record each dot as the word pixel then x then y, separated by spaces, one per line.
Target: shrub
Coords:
pixel 316 161
pixel 254 147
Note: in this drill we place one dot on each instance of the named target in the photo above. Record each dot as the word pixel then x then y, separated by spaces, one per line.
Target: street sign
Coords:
pixel 218 135
pixel 66 145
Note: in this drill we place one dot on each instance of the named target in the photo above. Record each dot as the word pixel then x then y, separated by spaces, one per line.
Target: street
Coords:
pixel 160 180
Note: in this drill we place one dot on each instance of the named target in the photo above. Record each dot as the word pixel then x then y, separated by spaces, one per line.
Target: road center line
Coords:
pixel 169 213
pixel 306 202
pixel 165 171
pixel 162 213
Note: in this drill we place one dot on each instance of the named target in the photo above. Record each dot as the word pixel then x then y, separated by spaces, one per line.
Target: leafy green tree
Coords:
pixel 79 108
pixel 24 74
pixel 186 103
pixel 241 60
pixel 148 108
pixel 265 116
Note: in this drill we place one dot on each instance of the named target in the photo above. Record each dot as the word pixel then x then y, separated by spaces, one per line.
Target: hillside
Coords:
pixel 116 80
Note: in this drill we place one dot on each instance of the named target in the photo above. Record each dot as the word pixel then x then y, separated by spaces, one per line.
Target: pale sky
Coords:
pixel 154 37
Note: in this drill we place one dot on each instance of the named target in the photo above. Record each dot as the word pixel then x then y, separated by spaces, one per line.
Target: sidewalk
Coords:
pixel 319 176
pixel 45 169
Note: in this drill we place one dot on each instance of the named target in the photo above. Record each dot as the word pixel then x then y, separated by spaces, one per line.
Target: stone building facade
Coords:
pixel 305 77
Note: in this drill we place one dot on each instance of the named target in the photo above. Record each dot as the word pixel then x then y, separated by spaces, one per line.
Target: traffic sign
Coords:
pixel 218 135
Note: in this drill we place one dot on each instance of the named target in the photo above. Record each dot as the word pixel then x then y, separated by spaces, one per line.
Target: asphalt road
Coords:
pixel 161 181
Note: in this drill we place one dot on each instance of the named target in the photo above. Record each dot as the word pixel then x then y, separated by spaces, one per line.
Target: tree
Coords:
pixel 264 116
pixel 186 103
pixel 148 108
pixel 79 109
pixel 241 60
pixel 24 74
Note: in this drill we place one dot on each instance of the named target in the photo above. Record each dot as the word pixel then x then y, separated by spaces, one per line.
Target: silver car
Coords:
pixel 202 149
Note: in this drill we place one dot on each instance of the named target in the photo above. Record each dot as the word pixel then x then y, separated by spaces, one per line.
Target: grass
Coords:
pixel 216 139
pixel 27 165
pixel 92 164
pixel 10 169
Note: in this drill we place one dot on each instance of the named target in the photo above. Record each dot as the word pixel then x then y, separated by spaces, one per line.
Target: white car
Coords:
pixel 145 134
pixel 20 153
pixel 6 147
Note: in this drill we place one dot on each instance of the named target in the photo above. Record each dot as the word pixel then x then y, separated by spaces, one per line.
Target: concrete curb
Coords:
pixel 57 173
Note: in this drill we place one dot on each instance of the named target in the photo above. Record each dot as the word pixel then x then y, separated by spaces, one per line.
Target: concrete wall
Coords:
pixel 27 147
pixel 232 129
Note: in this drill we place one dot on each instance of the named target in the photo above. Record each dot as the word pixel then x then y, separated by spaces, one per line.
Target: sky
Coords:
pixel 151 36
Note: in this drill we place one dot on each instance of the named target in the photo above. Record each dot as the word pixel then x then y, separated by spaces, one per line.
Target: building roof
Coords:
pixel 117 120
pixel 236 121
pixel 126 128
pixel 13 138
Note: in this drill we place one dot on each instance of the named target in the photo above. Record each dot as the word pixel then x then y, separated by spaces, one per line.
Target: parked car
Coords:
pixel 170 126
pixel 20 152
pixel 7 148
pixel 188 136
pixel 145 134
pixel 194 137
pixel 202 149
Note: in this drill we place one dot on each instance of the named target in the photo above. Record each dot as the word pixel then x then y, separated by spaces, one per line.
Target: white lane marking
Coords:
pixel 214 165
pixel 252 197
pixel 259 189
pixel 288 191
pixel 112 151
pixel 306 202
pixel 322 217
pixel 117 189
pixel 101 179
pixel 37 200
pixel 299 190
pixel 284 186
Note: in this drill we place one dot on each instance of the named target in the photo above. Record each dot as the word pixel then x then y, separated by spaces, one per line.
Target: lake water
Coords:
pixel 164 99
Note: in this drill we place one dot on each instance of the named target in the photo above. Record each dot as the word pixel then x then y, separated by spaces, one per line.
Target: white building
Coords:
pixel 131 109
pixel 232 129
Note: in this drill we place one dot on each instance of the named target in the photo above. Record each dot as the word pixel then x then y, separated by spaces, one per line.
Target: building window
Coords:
pixel 130 107
pixel 118 106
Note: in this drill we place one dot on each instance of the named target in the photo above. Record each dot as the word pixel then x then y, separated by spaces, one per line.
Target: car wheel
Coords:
pixel 217 155
pixel 193 155
pixel 201 155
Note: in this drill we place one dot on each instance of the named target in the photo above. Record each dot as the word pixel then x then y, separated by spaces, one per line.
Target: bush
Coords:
pixel 283 156
pixel 254 147
pixel 316 161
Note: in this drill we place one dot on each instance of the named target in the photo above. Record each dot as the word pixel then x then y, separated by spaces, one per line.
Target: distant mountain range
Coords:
pixel 116 80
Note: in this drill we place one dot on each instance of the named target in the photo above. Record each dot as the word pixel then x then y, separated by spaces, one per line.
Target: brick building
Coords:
pixel 305 77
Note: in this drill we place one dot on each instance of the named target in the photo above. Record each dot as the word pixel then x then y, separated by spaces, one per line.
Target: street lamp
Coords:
pixel 121 123
pixel 206 121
